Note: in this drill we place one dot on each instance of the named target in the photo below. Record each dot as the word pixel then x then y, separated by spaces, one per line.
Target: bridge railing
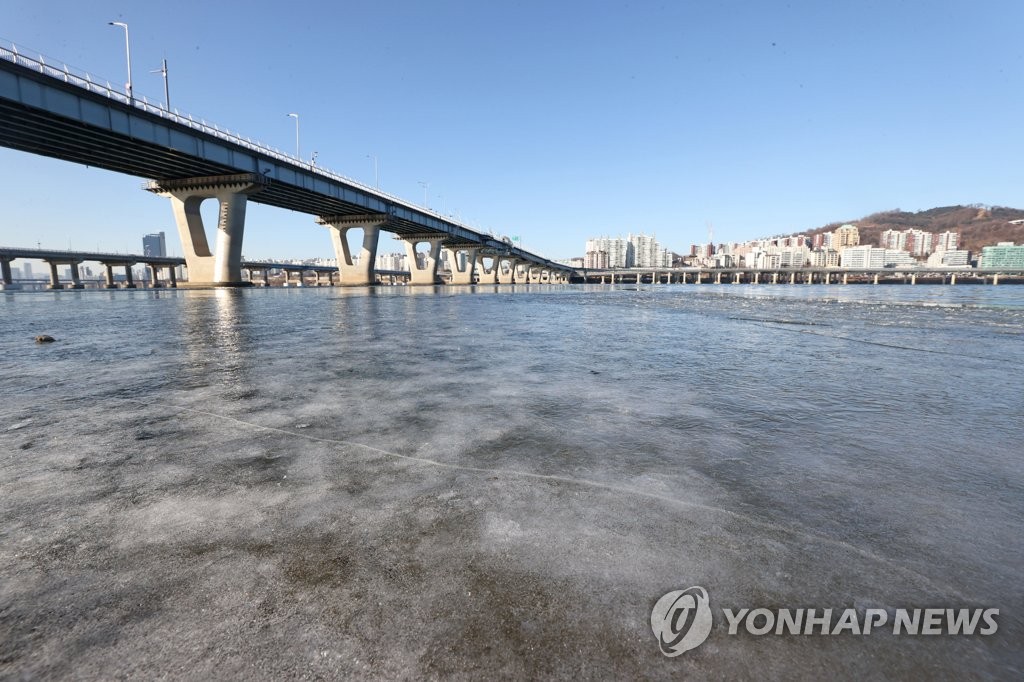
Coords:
pixel 82 79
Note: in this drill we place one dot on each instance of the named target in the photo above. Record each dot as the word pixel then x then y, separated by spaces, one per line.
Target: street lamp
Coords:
pixel 424 184
pixel 296 117
pixel 128 52
pixel 376 174
pixel 167 96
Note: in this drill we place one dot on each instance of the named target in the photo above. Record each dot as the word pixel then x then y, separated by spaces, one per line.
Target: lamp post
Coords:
pixel 376 174
pixel 128 52
pixel 167 93
pixel 424 184
pixel 296 117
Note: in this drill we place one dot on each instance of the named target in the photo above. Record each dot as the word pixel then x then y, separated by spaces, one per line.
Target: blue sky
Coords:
pixel 556 121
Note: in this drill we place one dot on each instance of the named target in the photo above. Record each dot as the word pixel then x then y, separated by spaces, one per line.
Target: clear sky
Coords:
pixel 556 120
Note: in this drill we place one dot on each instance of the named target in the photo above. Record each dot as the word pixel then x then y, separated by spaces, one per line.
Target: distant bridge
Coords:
pixel 162 270
pixel 66 115
pixel 696 275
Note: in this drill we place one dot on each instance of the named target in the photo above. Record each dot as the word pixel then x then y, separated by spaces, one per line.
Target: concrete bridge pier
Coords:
pixel 6 276
pixel 995 279
pixel 756 277
pixel 463 275
pixel 54 276
pixel 718 278
pixel 736 278
pixel 485 275
pixel 913 278
pixel 775 278
pixel 952 278
pixel 846 278
pixel 792 278
pixel 222 267
pixel 696 277
pixel 359 271
pixel 154 275
pixel 505 269
pixel 108 269
pixel 874 280
pixel 424 274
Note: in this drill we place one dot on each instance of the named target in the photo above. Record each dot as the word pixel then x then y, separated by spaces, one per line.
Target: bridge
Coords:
pixel 805 275
pixel 65 114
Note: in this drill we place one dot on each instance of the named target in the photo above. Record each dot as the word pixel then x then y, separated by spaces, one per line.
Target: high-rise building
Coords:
pixel 154 245
pixel 844 236
pixel 620 251
pixel 1002 255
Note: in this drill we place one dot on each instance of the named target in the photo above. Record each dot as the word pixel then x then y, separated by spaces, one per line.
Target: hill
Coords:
pixel 978 225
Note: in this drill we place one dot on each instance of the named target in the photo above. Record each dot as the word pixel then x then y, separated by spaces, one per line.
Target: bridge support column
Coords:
pixel 463 274
pixel 913 278
pixel 222 267
pixel 425 274
pixel 485 275
pixel 775 278
pixel 109 275
pixel 809 278
pixel 696 279
pixel 129 278
pixel 736 278
pixel 995 279
pixel 757 276
pixel 7 279
pixel 952 279
pixel 54 277
pixel 846 278
pixel 874 280
pixel 154 276
pixel 505 276
pixel 718 278
pixel 359 271
pixel 76 277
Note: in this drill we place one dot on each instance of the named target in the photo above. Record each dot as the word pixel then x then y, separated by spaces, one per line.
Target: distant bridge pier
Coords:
pixel 846 276
pixel 154 275
pixel 54 276
pixel 506 270
pixel 484 274
pixel 425 275
pixel 874 280
pixel 736 278
pixel 222 267
pixel 775 278
pixel 952 278
pixel 355 271
pixel 109 273
pixel 463 274
pixel 6 276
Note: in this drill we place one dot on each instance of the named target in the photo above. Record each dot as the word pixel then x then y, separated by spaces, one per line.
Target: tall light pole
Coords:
pixel 128 52
pixel 376 174
pixel 424 184
pixel 167 96
pixel 296 117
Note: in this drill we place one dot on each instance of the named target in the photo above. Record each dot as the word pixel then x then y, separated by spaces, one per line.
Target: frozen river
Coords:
pixel 503 481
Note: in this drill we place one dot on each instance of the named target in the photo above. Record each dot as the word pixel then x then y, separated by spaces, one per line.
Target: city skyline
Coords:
pixel 753 121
